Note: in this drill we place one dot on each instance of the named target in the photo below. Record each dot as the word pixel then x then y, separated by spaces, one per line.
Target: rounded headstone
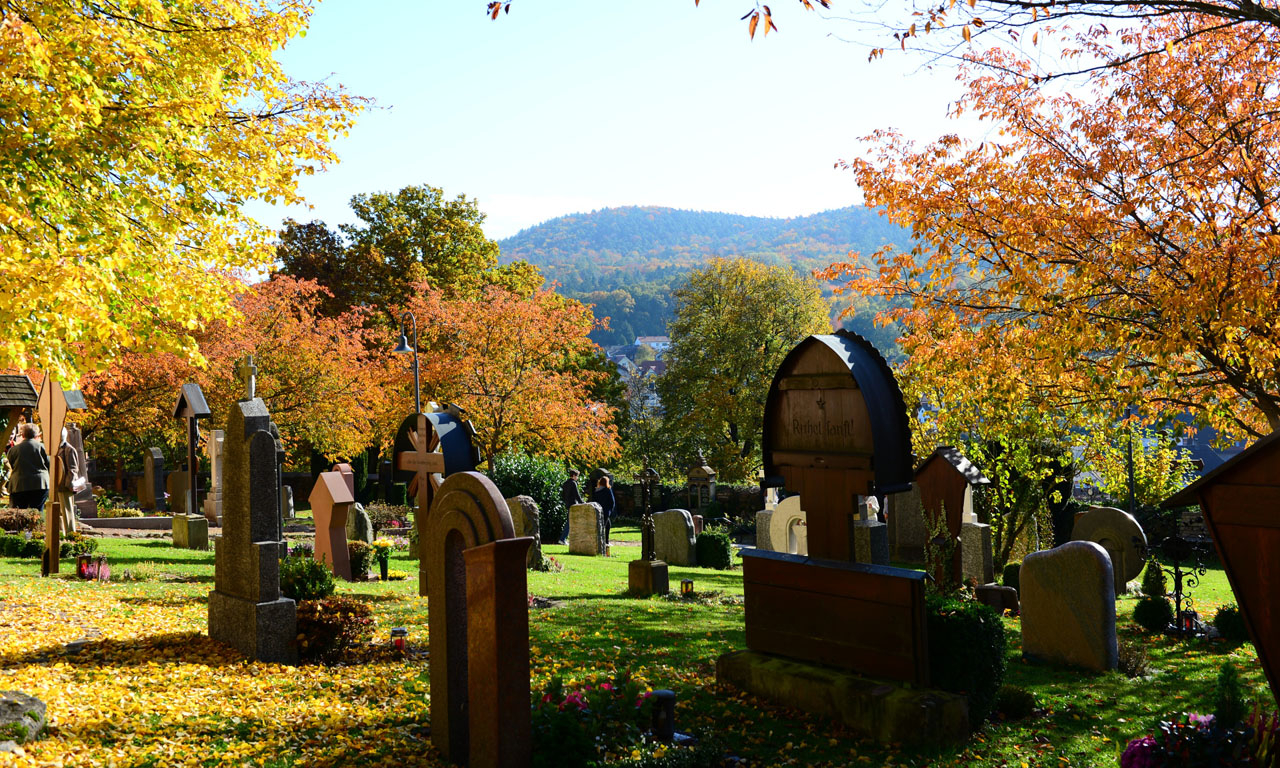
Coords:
pixel 1120 535
pixel 783 536
pixel 673 537
pixel 1069 607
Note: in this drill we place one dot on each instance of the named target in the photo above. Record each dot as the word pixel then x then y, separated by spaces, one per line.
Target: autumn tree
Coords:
pixel 1102 248
pixel 1160 468
pixel 316 374
pixel 508 360
pixel 735 321
pixel 413 236
pixel 131 137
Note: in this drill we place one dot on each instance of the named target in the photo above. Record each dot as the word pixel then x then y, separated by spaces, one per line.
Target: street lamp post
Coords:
pixel 403 348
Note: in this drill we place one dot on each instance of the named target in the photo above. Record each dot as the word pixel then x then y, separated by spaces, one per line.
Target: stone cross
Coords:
pixel 248 372
pixel 424 463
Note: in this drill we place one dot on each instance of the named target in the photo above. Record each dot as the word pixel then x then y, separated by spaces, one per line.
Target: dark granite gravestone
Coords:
pixel 479 626
pixel 246 609
pixel 151 491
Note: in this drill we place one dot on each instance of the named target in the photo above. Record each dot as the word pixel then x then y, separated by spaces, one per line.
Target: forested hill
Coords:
pixel 593 251
pixel 627 260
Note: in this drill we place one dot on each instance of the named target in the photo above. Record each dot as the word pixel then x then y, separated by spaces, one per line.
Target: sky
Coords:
pixel 566 107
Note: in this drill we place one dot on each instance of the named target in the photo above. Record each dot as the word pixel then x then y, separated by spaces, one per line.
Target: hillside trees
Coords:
pixel 132 135
pixel 1106 249
pixel 735 321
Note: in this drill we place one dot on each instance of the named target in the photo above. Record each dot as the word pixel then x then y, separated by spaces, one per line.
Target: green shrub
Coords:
pixel 361 556
pixel 966 651
pixel 1014 702
pixel 1010 576
pixel 11 546
pixel 577 727
pixel 304 578
pixel 1228 697
pixel 519 474
pixel 18 520
pixel 1154 614
pixel 1230 624
pixel 1154 582
pixel 715 549
pixel 77 544
pixel 127 512
pixel 328 627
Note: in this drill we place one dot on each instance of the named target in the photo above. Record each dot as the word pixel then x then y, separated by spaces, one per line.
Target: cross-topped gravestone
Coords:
pixel 248 375
pixel 52 409
pixel 423 462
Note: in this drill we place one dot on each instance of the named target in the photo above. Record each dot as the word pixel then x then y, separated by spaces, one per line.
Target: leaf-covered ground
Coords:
pixel 148 688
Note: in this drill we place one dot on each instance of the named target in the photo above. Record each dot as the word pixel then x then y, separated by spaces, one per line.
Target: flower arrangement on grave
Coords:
pixel 1229 736
pixel 382 555
pixel 383 516
pixel 605 720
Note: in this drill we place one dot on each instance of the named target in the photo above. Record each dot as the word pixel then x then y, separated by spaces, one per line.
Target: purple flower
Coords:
pixel 1200 721
pixel 1141 753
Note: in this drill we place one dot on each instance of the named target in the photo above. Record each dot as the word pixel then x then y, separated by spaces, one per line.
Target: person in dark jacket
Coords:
pixel 570 495
pixel 29 483
pixel 603 496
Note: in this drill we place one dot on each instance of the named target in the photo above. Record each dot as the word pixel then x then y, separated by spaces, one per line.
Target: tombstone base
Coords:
pixel 870 542
pixel 975 553
pixel 998 597
pixel 260 631
pixel 647 577
pixel 886 712
pixel 190 532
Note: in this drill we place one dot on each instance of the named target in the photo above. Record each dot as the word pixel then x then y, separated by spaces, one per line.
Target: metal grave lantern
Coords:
pixel 430 447
pixel 1240 501
pixel 191 407
pixel 701 484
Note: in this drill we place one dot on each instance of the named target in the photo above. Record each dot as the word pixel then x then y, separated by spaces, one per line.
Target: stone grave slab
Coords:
pixel 1120 535
pixel 586 529
pixel 674 541
pixel 1068 601
pixel 763 518
pixel 788 532
pixel 525 518
pixel 151 489
pixel 331 502
pixel 976 559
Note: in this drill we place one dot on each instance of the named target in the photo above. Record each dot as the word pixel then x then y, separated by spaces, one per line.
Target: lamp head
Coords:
pixel 403 347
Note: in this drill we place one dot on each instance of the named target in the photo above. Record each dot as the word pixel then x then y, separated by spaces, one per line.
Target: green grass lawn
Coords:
pixel 371 709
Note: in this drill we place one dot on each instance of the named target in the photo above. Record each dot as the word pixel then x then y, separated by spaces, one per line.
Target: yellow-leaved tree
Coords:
pixel 130 135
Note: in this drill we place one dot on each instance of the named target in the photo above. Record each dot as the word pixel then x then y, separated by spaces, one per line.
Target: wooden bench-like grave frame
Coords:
pixel 869 619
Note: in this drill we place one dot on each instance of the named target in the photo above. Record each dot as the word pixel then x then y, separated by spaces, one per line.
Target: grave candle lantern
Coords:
pixel 398 636
pixel 82 565
pixel 686 586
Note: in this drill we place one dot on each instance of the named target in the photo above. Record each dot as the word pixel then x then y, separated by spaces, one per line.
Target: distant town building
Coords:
pixel 658 343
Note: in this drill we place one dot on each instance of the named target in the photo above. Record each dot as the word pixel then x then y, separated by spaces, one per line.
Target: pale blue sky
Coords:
pixel 563 107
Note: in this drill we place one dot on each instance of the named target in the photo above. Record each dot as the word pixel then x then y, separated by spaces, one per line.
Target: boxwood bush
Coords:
pixel 1011 573
pixel 715 549
pixel 1230 624
pixel 1153 614
pixel 304 578
pixel 966 651
pixel 519 474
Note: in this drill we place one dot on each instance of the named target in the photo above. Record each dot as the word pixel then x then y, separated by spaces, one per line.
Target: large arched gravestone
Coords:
pixel 479 625
pixel 835 429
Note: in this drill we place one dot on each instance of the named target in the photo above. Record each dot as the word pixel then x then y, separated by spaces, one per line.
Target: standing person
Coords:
pixel 603 496
pixel 570 495
pixel 68 470
pixel 29 483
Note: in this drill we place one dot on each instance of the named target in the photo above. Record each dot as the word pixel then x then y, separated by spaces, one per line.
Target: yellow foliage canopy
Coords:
pixel 130 135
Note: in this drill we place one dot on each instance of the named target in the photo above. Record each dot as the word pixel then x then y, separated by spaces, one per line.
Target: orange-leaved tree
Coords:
pixel 1104 247
pixel 317 375
pixel 509 360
